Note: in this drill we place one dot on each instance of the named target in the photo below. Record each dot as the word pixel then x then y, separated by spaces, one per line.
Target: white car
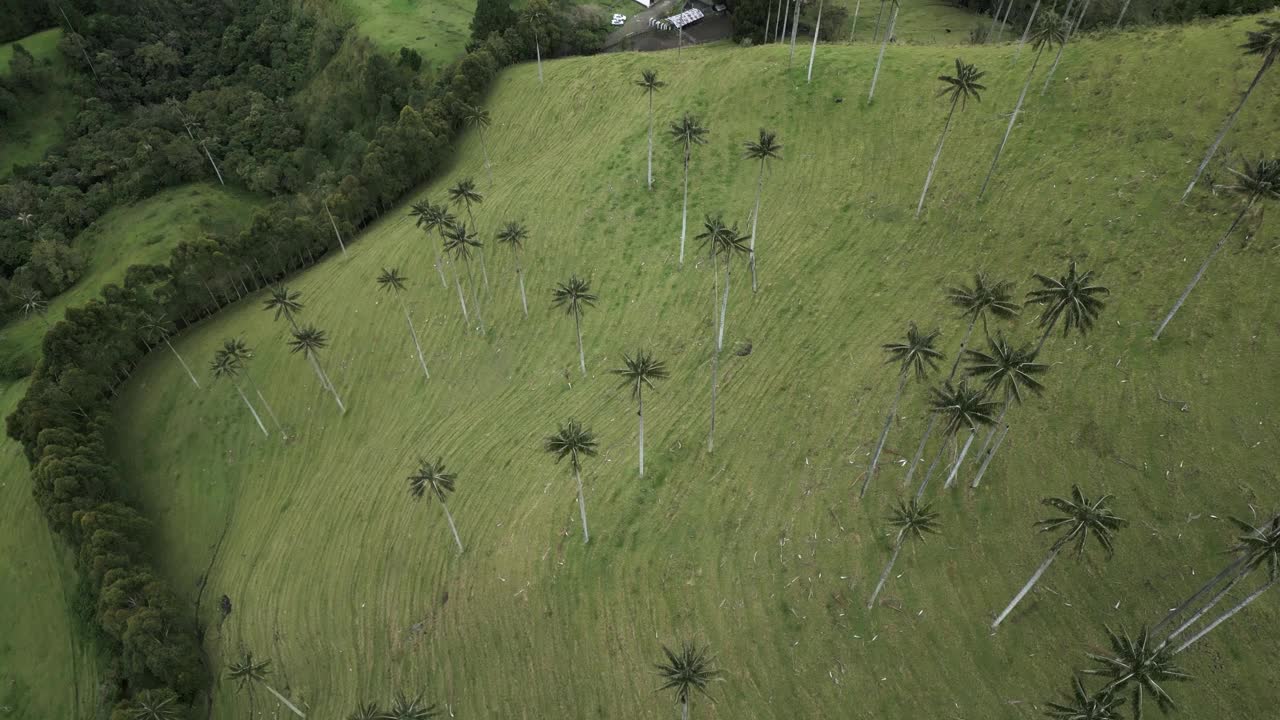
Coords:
pixel 619 19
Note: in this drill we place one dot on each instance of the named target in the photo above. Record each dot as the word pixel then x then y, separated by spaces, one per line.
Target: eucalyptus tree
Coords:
pixel 1256 180
pixel 914 355
pixel 1008 371
pixel 1050 30
pixel 650 84
pixel 241 354
pixel 813 48
pixel 959 87
pixel 458 244
pixel 1258 546
pixel 285 304
pixel 162 704
pixel 464 193
pixel 574 442
pixel 1081 704
pixel 914 521
pixel 310 341
pixel 478 118
pixel 432 477
pixel 226 366
pixel 959 406
pixel 247 672
pixel 574 296
pixel 156 326
pixel 1080 519
pixel 1139 663
pixel 685 671
pixel 32 302
pixel 428 218
pixel 986 298
pixel 393 282
pixel 404 707
pixel 689 131
pixel 513 235
pixel 764 149
pixel 1072 298
pixel 637 373
pixel 884 43
pixel 1264 41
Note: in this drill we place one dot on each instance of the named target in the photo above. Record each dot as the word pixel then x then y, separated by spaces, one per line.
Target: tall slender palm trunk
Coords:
pixel 795 27
pixel 1045 335
pixel 582 503
pixel 853 28
pixel 182 362
pixel 778 22
pixel 1212 583
pixel 888 33
pixel 324 378
pixel 684 211
pixel 650 185
pixel 684 709
pixel 1267 61
pixel 768 21
pixel 982 470
pixel 724 306
pixel 813 48
pixel 475 295
pixel 995 17
pixel 1035 578
pixel 755 225
pixel 1080 18
pixel 214 164
pixel 284 700
pixel 936 154
pixel 1213 601
pixel 414 334
pixel 785 17
pixel 875 33
pixel 640 415
pixel 884 576
pixel 440 270
pixel 1012 120
pixel 524 301
pixel 1228 615
pixel 335 228
pixel 985 456
pixel 933 420
pixel 537 48
pixel 928 474
pixel 715 352
pixel 249 405
pixel 485 151
pixel 1004 22
pixel 1195 280
pixel 1026 32
pixel 457 281
pixel 884 433
pixel 582 357
pixel 270 413
pixel 1120 18
pixel 955 466
pixel 1048 78
pixel 449 516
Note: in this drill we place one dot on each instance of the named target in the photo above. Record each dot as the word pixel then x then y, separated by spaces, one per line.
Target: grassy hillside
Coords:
pixel 761 549
pixel 26 138
pixel 144 232
pixel 437 29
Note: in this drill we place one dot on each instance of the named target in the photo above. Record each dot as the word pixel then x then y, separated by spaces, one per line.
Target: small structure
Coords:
pixel 685 19
pixel 646 3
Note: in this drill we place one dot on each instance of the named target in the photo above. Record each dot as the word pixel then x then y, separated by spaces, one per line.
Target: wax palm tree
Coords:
pixel 685 671
pixel 689 131
pixel 156 326
pixel 960 407
pixel 1068 31
pixel 1084 705
pixel 241 354
pixel 428 217
pixel 795 27
pixel 1138 663
pixel 813 46
pixel 764 149
pixel 637 373
pixel 366 711
pixel 884 43
pixel 32 302
pixel 310 341
pixel 914 521
pixel 464 193
pixel 915 355
pixel 1009 371
pixel 393 282
pixel 160 704
pixel 959 87
pixel 478 118
pixel 1048 31
pixel 458 244
pixel 1264 41
pixel 574 442
pixel 1071 298
pixel 284 303
pixel 1080 520
pixel 534 20
pixel 248 672
pixel 1258 180
pixel 985 298
pixel 1258 546
pixel 431 477
pixel 513 235
pixel 650 84
pixel 575 296
pixel 723 243
pixel 226 366
pixel 404 707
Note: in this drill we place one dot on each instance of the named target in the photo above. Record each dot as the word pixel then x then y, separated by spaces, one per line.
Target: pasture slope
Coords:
pixel 437 29
pixel 25 139
pixel 760 549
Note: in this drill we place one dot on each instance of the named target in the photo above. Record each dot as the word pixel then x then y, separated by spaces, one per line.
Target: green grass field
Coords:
pixel 928 23
pixel 145 232
pixel 25 139
pixel 437 29
pixel 761 549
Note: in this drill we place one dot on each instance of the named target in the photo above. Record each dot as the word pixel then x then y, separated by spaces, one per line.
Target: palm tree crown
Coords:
pixel 458 242
pixel 224 365
pixel 1082 519
pixel 1072 298
pixel 308 340
pixel 687 670
pixel 1257 178
pixel 573 295
pixel 155 705
pixel 31 301
pixel 1006 368
pixel 465 193
pixel 366 711
pixel 406 708
pixel 1259 545
pixel 724 241
pixel 916 354
pixel 1083 705
pixel 913 519
pixel 246 670
pixel 431 477
pixel 475 116
pixel 640 371
pixel 572 441
pixel 1140 662
pixel 649 81
pixel 963 85
pixel 1264 41
pixel 1050 29
pixel 985 297
pixel 513 234
pixel 283 302
pixel 688 131
pixel 765 149
pixel 962 406
pixel 391 280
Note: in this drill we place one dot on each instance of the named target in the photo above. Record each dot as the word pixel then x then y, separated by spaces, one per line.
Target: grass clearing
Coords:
pixel 437 29
pixel 25 139
pixel 354 591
